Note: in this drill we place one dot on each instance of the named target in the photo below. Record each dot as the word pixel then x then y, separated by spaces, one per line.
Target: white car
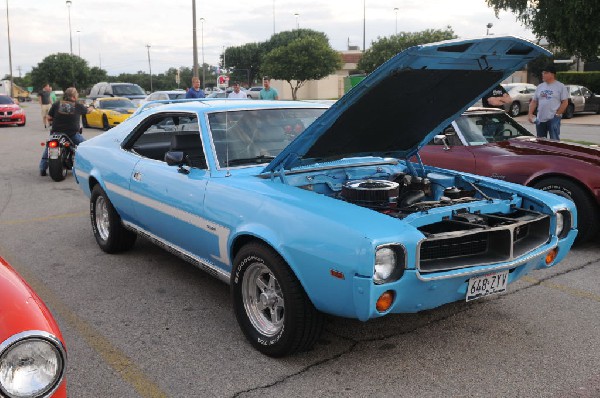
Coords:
pixel 253 92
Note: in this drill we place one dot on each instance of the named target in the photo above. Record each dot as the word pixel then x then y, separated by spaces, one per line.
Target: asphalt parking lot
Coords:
pixel 146 324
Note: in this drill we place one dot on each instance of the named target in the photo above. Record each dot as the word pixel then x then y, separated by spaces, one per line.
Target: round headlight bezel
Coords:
pixel 564 223
pixel 389 263
pixel 35 337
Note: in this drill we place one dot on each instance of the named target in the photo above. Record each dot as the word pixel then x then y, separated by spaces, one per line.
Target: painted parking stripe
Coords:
pixel 120 363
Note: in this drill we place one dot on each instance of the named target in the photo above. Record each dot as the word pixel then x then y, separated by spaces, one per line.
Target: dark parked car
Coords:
pixel 127 90
pixel 490 143
pixel 581 99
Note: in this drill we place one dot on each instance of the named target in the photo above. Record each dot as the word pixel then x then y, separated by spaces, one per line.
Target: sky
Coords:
pixel 114 34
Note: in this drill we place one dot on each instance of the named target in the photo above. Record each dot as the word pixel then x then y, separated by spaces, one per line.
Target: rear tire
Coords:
pixel 110 234
pixel 270 305
pixel 587 210
pixel 569 112
pixel 57 169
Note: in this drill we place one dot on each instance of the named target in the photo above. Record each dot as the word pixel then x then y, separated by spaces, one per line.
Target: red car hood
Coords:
pixel 21 308
pixel 535 146
pixel 9 107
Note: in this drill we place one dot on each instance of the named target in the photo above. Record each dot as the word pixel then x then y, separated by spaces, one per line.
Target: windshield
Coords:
pixel 128 89
pixel 114 104
pixel 5 100
pixel 177 96
pixel 480 129
pixel 256 136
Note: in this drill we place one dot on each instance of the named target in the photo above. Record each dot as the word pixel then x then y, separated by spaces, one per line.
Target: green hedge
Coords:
pixel 590 80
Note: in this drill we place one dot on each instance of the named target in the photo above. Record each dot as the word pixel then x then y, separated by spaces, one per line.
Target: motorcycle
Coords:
pixel 61 154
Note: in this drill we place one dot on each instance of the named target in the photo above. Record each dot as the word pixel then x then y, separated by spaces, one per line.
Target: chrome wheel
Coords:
pixel 263 299
pixel 102 218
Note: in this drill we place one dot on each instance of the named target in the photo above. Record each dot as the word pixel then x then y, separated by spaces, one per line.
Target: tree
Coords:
pixel 386 47
pixel 301 59
pixel 570 25
pixel 61 70
pixel 247 57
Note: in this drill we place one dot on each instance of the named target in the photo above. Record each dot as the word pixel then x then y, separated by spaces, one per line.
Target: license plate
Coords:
pixel 481 286
pixel 53 153
pixel 6 119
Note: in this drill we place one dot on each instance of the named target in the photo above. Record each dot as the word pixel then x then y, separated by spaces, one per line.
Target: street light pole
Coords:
pixel 194 38
pixel 9 54
pixel 396 10
pixel 79 42
pixel 202 43
pixel 149 66
pixel 489 26
pixel 297 25
pixel 364 21
pixel 70 32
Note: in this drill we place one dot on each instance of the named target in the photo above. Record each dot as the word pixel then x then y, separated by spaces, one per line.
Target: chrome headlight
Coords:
pixel 563 223
pixel 389 264
pixel 31 364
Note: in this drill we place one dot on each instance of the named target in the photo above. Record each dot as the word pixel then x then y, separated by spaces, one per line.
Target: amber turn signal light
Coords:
pixel 551 255
pixel 384 302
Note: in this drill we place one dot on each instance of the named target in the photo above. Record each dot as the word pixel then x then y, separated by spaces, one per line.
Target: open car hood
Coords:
pixel 399 107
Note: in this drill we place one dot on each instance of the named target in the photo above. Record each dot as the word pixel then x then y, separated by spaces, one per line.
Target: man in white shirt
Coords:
pixel 236 93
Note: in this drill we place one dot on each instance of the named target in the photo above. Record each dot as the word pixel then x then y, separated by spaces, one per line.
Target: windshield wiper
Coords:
pixel 256 159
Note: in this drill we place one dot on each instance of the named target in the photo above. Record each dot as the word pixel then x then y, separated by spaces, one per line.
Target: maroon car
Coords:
pixel 488 142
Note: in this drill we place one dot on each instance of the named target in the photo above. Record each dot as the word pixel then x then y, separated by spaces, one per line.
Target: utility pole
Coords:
pixel 70 34
pixel 19 69
pixel 149 66
pixel 364 22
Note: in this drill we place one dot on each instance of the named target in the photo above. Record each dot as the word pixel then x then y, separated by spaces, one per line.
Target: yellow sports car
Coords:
pixel 108 112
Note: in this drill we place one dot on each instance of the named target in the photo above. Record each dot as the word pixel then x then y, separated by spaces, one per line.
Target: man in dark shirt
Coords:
pixel 496 98
pixel 65 116
pixel 195 91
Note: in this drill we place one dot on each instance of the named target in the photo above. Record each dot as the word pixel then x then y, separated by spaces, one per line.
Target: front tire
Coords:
pixel 110 234
pixel 270 304
pixel 57 169
pixel 515 109
pixel 587 210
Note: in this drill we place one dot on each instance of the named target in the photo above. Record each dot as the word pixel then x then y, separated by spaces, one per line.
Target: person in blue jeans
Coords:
pixel 65 116
pixel 551 101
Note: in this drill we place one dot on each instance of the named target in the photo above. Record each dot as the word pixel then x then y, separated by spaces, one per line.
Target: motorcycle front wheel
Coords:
pixel 57 168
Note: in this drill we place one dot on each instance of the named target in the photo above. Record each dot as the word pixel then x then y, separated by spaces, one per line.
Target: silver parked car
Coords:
pixel 253 92
pixel 581 99
pixel 521 94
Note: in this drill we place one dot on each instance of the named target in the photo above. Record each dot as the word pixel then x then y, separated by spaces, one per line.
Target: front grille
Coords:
pixel 7 113
pixel 501 238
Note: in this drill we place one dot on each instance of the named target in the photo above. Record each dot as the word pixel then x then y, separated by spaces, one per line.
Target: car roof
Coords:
pixel 112 98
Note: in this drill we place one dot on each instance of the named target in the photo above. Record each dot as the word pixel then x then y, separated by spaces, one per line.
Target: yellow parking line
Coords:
pixel 115 358
pixel 42 219
pixel 566 289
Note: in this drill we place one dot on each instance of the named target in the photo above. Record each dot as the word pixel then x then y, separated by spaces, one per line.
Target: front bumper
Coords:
pixel 415 292
pixel 12 119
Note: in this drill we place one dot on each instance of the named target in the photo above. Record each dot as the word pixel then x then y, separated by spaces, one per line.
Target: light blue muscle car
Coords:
pixel 307 209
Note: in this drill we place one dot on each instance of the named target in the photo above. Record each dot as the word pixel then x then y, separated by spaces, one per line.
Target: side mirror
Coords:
pixel 441 139
pixel 177 158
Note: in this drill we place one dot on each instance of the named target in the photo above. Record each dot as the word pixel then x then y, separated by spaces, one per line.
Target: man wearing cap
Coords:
pixel 268 92
pixel 550 100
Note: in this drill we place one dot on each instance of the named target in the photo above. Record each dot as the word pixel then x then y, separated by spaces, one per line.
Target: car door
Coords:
pixel 588 97
pixel 170 199
pixel 94 118
pixel 577 98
